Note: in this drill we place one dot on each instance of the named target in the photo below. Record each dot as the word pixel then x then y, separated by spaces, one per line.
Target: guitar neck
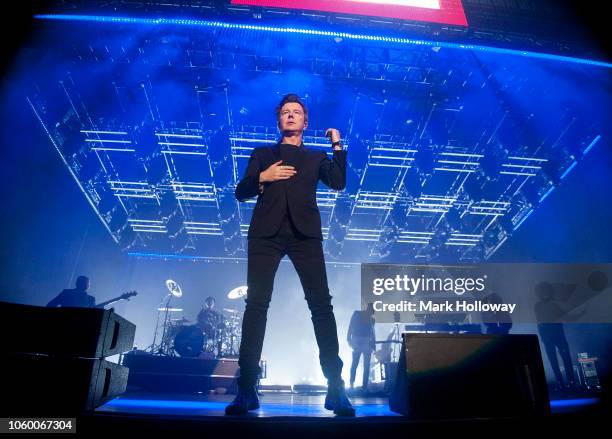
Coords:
pixel 116 299
pixel 108 302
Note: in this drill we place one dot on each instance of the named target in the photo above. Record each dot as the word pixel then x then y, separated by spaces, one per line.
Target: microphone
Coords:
pixel 328 134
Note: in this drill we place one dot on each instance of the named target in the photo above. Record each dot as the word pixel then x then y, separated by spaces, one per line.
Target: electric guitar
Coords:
pixel 124 296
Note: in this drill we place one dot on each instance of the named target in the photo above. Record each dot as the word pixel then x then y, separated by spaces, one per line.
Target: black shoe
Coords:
pixel 337 401
pixel 245 400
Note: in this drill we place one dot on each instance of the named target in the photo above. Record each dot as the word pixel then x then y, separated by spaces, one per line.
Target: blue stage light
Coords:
pixel 267 409
pixel 165 403
pixel 182 257
pixel 552 188
pixel 523 220
pixel 588 148
pixel 573 402
pixel 568 170
pixel 302 31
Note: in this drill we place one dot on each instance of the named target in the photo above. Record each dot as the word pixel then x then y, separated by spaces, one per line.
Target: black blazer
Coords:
pixel 297 192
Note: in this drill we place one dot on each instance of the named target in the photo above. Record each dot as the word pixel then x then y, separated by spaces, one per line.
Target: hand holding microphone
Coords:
pixel 334 135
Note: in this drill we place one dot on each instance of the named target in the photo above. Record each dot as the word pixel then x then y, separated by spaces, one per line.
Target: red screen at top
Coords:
pixel 435 11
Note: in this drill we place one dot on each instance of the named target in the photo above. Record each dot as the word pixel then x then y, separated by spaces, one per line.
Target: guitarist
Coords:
pixel 79 298
pixel 362 339
pixel 76 297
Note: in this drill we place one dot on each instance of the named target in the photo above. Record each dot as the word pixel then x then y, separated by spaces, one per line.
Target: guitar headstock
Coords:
pixel 129 294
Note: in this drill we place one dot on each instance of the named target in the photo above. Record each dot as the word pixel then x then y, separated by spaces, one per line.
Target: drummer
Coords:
pixel 209 319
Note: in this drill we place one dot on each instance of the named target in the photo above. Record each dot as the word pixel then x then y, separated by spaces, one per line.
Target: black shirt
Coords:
pixel 289 154
pixel 361 325
pixel 212 316
pixel 73 298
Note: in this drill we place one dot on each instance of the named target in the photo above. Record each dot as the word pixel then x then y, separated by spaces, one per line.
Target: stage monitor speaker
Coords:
pixel 40 385
pixel 456 376
pixel 52 359
pixel 76 332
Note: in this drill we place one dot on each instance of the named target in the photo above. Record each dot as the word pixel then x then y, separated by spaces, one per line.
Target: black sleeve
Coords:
pixel 351 327
pixel 56 301
pixel 249 185
pixel 333 172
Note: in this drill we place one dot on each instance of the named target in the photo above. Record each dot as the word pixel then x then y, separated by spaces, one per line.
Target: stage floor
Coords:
pixel 277 405
pixel 293 416
pixel 272 405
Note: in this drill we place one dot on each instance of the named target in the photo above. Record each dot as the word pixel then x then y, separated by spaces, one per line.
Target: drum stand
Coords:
pixel 165 347
pixel 396 339
pixel 162 348
pixel 232 341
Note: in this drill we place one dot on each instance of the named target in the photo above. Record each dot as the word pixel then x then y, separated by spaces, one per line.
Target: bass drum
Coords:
pixel 189 341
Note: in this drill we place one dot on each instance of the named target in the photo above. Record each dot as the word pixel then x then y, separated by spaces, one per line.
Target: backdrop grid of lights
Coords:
pixel 157 125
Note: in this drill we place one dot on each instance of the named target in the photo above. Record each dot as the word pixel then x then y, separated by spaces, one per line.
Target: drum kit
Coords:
pixel 216 334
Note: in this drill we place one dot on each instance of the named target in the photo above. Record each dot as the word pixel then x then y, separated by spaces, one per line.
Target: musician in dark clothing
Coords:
pixel 496 322
pixel 211 322
pixel 362 340
pixel 552 334
pixel 76 297
pixel 286 221
pixel 209 316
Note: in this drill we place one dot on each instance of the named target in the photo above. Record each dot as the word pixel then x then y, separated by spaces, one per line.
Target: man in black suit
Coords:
pixel 286 221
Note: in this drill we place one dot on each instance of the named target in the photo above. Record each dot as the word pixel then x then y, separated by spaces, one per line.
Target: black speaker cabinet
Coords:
pixel 52 359
pixel 78 332
pixel 40 385
pixel 469 376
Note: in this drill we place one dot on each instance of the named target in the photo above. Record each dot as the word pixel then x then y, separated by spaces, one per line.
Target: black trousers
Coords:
pixel 553 338
pixel 264 256
pixel 367 355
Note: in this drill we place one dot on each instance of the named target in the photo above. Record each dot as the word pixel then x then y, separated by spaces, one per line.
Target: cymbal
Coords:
pixel 233 311
pixel 170 309
pixel 174 288
pixel 237 292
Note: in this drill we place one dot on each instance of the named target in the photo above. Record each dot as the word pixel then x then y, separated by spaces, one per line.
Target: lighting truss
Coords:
pixel 429 167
